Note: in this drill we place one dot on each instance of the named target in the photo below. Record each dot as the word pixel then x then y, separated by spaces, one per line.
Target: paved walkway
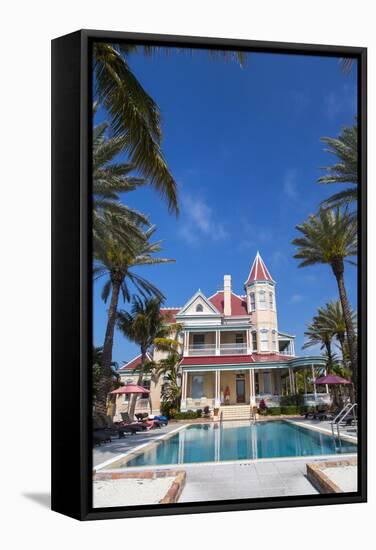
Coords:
pixel 246 480
pixel 324 426
pixel 120 446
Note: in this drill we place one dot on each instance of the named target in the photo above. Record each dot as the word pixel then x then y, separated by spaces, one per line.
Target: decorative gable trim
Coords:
pixel 198 295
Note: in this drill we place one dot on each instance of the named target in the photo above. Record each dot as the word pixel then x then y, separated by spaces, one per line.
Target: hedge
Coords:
pixel 291 409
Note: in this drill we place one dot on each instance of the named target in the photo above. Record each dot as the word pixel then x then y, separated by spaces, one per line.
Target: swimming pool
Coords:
pixel 238 441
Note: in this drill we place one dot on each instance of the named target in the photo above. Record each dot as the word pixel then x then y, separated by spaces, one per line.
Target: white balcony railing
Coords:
pixel 224 349
pixel 286 352
pixel 233 349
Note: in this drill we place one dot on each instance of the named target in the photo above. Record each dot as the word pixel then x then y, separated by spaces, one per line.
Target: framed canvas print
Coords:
pixel 209 274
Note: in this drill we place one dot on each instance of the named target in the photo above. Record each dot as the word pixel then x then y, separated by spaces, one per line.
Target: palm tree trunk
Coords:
pixel 105 381
pixel 329 365
pixel 139 382
pixel 338 270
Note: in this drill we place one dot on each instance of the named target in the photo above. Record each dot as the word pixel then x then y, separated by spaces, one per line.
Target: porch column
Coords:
pixel 217 399
pixel 249 351
pixel 314 385
pixel 183 404
pixel 292 385
pixel 252 396
pixel 217 342
pixel 186 343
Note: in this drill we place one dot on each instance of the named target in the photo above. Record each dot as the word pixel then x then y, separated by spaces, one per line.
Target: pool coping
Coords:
pixel 344 437
pixel 322 481
pixel 132 453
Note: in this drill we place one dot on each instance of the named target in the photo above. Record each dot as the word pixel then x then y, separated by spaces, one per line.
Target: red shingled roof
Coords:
pixel 238 303
pixel 132 365
pixel 259 271
pixel 170 313
pixel 233 359
pixel 217 360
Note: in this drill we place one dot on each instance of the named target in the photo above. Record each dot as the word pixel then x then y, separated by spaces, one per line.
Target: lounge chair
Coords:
pixel 314 414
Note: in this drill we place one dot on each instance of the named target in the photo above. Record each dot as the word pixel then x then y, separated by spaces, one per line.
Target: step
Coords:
pixel 236 412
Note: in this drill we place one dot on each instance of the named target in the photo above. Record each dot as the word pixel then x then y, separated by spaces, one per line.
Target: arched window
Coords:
pixel 274 340
pixel 254 340
pixel 262 299
pixel 199 308
pixel 264 340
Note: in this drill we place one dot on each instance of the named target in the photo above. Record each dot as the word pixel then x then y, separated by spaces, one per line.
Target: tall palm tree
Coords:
pixel 115 263
pixel 345 148
pixel 330 237
pixel 331 316
pixel 146 326
pixel 110 178
pixel 317 334
pixel 133 115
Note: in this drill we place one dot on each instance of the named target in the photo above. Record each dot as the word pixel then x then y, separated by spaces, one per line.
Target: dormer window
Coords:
pixel 199 308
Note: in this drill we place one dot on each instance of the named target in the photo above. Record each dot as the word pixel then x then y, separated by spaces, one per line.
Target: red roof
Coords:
pixel 233 359
pixel 217 360
pixel 259 271
pixel 238 303
pixel 132 365
pixel 170 313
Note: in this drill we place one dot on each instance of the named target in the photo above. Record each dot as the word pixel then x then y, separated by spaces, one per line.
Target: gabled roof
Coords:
pixel 199 295
pixel 238 303
pixel 134 364
pixel 259 271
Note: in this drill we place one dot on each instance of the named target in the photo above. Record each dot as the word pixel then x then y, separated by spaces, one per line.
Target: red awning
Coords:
pixel 130 388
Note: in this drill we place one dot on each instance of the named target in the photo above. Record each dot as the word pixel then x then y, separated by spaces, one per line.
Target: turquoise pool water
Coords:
pixel 239 441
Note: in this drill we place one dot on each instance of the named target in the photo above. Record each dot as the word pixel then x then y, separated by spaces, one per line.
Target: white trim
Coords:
pixel 191 301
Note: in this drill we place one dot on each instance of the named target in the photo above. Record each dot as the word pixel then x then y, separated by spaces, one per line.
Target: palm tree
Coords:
pixel 146 326
pixel 169 368
pixel 133 115
pixel 115 263
pixel 331 317
pixel 317 334
pixel 345 148
pixel 110 178
pixel 331 238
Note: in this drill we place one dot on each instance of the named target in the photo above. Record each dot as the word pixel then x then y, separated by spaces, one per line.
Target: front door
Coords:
pixel 240 390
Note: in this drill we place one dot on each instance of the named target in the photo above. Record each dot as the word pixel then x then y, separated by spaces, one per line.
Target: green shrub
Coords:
pixel 188 415
pixel 199 413
pixel 289 409
pixel 274 411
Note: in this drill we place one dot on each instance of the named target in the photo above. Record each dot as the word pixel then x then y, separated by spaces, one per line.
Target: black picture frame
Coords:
pixel 71 274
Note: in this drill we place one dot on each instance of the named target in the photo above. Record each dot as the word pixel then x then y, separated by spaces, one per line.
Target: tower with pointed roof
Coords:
pixel 262 306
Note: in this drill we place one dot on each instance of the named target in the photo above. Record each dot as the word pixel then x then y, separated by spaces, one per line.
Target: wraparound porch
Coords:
pixel 220 386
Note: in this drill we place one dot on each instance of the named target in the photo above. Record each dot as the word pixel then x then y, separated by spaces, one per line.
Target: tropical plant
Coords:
pixel 134 116
pixel 317 334
pixel 110 178
pixel 146 326
pixel 115 263
pixel 97 368
pixel 330 237
pixel 169 369
pixel 345 148
pixel 331 317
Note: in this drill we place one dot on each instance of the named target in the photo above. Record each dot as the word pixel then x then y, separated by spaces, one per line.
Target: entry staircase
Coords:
pixel 236 412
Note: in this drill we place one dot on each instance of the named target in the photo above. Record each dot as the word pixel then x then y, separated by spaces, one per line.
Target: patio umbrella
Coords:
pixel 331 379
pixel 131 389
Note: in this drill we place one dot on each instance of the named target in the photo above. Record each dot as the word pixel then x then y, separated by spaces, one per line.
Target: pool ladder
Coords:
pixel 340 419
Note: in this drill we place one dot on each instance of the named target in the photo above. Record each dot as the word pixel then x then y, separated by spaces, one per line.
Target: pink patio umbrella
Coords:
pixel 131 389
pixel 331 379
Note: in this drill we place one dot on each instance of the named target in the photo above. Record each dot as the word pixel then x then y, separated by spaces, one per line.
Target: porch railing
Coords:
pixel 231 348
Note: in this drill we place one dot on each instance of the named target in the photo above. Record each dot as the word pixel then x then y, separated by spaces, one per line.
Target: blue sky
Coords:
pixel 244 147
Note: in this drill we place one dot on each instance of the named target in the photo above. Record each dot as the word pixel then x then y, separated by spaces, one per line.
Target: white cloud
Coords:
pixel 198 221
pixel 336 103
pixel 296 299
pixel 289 184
